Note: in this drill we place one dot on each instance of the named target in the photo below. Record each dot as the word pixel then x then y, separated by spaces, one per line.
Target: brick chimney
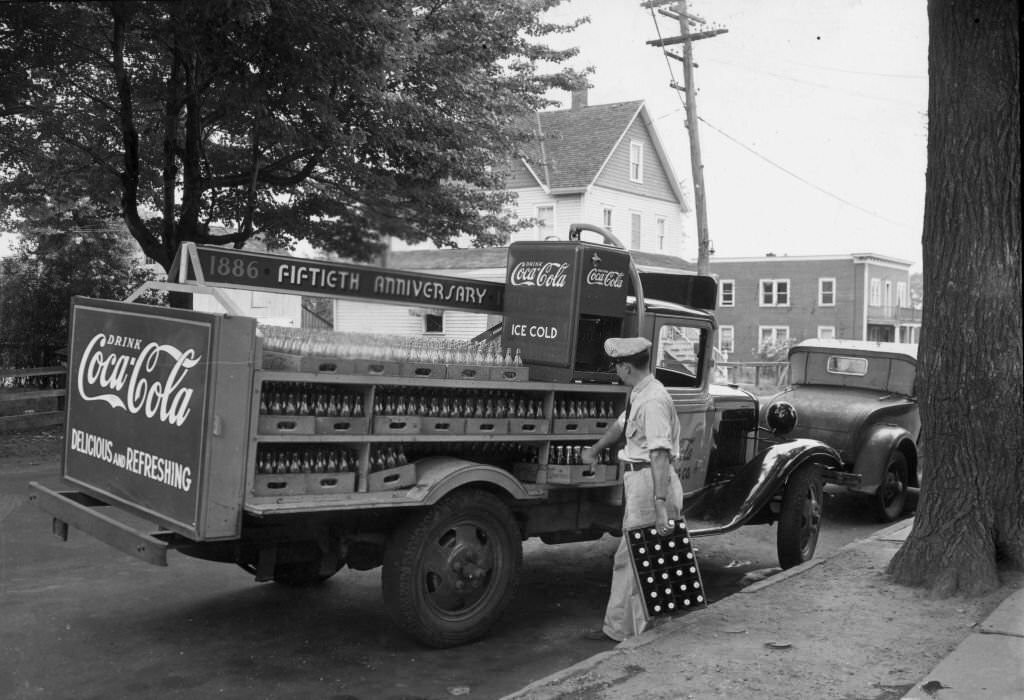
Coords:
pixel 579 98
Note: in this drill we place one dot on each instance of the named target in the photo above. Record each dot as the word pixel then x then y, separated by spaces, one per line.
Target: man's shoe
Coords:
pixel 598 635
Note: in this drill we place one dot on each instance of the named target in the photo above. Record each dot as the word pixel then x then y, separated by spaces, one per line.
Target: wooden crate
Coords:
pixel 274 360
pixel 469 371
pixel 396 425
pixel 575 473
pixel 286 425
pixel 327 365
pixel 279 484
pixel 529 426
pixel 377 368
pixel 510 374
pixel 442 426
pixel 339 425
pixel 423 370
pixel 329 483
pixel 389 479
pixel 570 426
pixel 487 426
pixel 598 425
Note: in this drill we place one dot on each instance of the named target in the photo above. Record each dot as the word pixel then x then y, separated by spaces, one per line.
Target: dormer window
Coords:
pixel 636 161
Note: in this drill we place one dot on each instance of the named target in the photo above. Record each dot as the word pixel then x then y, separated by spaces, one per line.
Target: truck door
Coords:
pixel 681 360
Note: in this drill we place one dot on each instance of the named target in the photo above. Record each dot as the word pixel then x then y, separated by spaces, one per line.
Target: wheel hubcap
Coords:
pixel 457 570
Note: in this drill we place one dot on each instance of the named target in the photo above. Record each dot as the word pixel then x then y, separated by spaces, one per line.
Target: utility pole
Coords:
pixel 679 12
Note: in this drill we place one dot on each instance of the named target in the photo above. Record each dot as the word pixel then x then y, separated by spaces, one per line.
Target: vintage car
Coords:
pixel 858 397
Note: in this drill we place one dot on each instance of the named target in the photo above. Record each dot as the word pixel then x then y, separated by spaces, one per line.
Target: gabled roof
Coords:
pixel 572 146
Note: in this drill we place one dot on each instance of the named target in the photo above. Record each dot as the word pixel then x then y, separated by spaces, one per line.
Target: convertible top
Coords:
pixel 905 351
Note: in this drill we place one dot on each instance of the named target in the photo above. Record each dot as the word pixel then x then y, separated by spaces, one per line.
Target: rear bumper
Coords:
pixel 78 510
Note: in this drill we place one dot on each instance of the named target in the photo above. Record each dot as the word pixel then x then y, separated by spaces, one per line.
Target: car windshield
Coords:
pixel 679 358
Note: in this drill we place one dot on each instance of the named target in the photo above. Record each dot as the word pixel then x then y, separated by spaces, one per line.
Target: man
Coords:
pixel 652 490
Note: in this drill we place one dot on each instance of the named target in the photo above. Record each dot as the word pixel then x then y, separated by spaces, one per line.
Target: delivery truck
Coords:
pixel 292 452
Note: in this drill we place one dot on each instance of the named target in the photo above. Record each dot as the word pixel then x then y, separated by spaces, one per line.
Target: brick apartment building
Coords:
pixel 765 304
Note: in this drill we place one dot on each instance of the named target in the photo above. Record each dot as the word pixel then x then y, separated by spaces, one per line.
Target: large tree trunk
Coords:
pixel 970 519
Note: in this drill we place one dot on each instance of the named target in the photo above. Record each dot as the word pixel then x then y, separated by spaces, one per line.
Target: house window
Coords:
pixel 636 161
pixel 774 292
pixel 545 222
pixel 727 293
pixel 902 299
pixel 433 323
pixel 726 339
pixel 606 218
pixel 876 292
pixel 635 229
pixel 826 332
pixel 888 294
pixel 661 234
pixel 826 291
pixel 772 337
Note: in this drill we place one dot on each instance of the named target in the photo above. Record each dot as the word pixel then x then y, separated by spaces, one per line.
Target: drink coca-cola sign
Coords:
pixel 140 379
pixel 537 273
pixel 137 405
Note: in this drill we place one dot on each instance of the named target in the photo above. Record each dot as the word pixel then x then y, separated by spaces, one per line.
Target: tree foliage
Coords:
pixel 333 121
pixel 78 254
pixel 970 520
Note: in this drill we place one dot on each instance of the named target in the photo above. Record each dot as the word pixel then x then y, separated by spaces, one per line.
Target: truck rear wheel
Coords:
pixel 451 571
pixel 800 518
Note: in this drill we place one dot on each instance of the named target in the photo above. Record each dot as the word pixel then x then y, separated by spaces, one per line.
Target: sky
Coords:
pixel 812 117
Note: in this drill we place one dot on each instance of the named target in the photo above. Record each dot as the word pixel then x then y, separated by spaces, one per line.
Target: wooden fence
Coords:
pixel 32 398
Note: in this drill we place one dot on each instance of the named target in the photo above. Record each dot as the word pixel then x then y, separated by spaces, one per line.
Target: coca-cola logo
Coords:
pixel 534 273
pixel 605 278
pixel 133 381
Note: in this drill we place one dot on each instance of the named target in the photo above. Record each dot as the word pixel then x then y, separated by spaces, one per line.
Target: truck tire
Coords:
pixel 800 517
pixel 891 497
pixel 450 571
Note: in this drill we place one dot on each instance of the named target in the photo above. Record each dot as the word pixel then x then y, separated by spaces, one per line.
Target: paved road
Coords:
pixel 81 620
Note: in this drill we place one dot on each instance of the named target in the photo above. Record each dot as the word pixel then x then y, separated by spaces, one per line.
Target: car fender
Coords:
pixel 731 504
pixel 439 476
pixel 873 455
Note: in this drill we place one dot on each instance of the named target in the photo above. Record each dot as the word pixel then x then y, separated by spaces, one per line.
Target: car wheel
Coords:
pixel 891 496
pixel 800 517
pixel 451 571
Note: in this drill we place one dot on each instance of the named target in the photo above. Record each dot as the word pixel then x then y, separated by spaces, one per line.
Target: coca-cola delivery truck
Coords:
pixel 292 453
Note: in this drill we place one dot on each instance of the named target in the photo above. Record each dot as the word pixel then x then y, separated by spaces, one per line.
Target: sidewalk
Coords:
pixel 832 628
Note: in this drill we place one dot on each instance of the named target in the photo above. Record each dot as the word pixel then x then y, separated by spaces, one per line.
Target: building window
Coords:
pixel 635 229
pixel 636 161
pixel 826 332
pixel 774 292
pixel 606 218
pixel 826 291
pixel 545 222
pixel 876 292
pixel 772 337
pixel 727 293
pixel 433 323
pixel 888 294
pixel 902 299
pixel 726 339
pixel 661 234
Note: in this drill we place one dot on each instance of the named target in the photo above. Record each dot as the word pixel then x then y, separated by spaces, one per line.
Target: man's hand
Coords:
pixel 661 518
pixel 589 455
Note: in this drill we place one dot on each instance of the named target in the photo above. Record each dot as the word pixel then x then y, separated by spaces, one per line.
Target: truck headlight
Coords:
pixel 781 417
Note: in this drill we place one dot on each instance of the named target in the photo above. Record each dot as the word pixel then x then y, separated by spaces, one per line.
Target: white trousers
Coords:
pixel 626 615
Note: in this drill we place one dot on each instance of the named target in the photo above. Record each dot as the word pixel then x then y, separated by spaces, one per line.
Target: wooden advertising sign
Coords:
pixel 224 267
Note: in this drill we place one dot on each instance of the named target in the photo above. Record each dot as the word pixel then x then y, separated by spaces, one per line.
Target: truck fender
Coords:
pixel 872 458
pixel 732 504
pixel 439 476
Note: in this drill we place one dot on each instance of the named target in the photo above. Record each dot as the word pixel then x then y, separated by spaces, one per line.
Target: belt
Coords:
pixel 634 466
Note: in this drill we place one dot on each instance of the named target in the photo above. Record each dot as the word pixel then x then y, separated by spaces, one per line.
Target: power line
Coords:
pixel 802 179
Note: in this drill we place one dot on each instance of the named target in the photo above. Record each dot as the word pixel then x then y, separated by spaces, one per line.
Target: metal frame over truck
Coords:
pixel 291 455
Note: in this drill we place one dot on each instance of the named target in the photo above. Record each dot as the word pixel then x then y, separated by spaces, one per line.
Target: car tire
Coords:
pixel 451 570
pixel 891 496
pixel 800 517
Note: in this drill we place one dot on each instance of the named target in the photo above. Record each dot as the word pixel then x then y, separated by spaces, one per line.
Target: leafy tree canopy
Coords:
pixel 77 253
pixel 333 121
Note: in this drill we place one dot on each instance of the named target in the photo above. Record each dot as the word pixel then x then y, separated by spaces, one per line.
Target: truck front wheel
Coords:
pixel 800 518
pixel 451 571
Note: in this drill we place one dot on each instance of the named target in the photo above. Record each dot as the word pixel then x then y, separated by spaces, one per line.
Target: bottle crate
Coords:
pixel 286 425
